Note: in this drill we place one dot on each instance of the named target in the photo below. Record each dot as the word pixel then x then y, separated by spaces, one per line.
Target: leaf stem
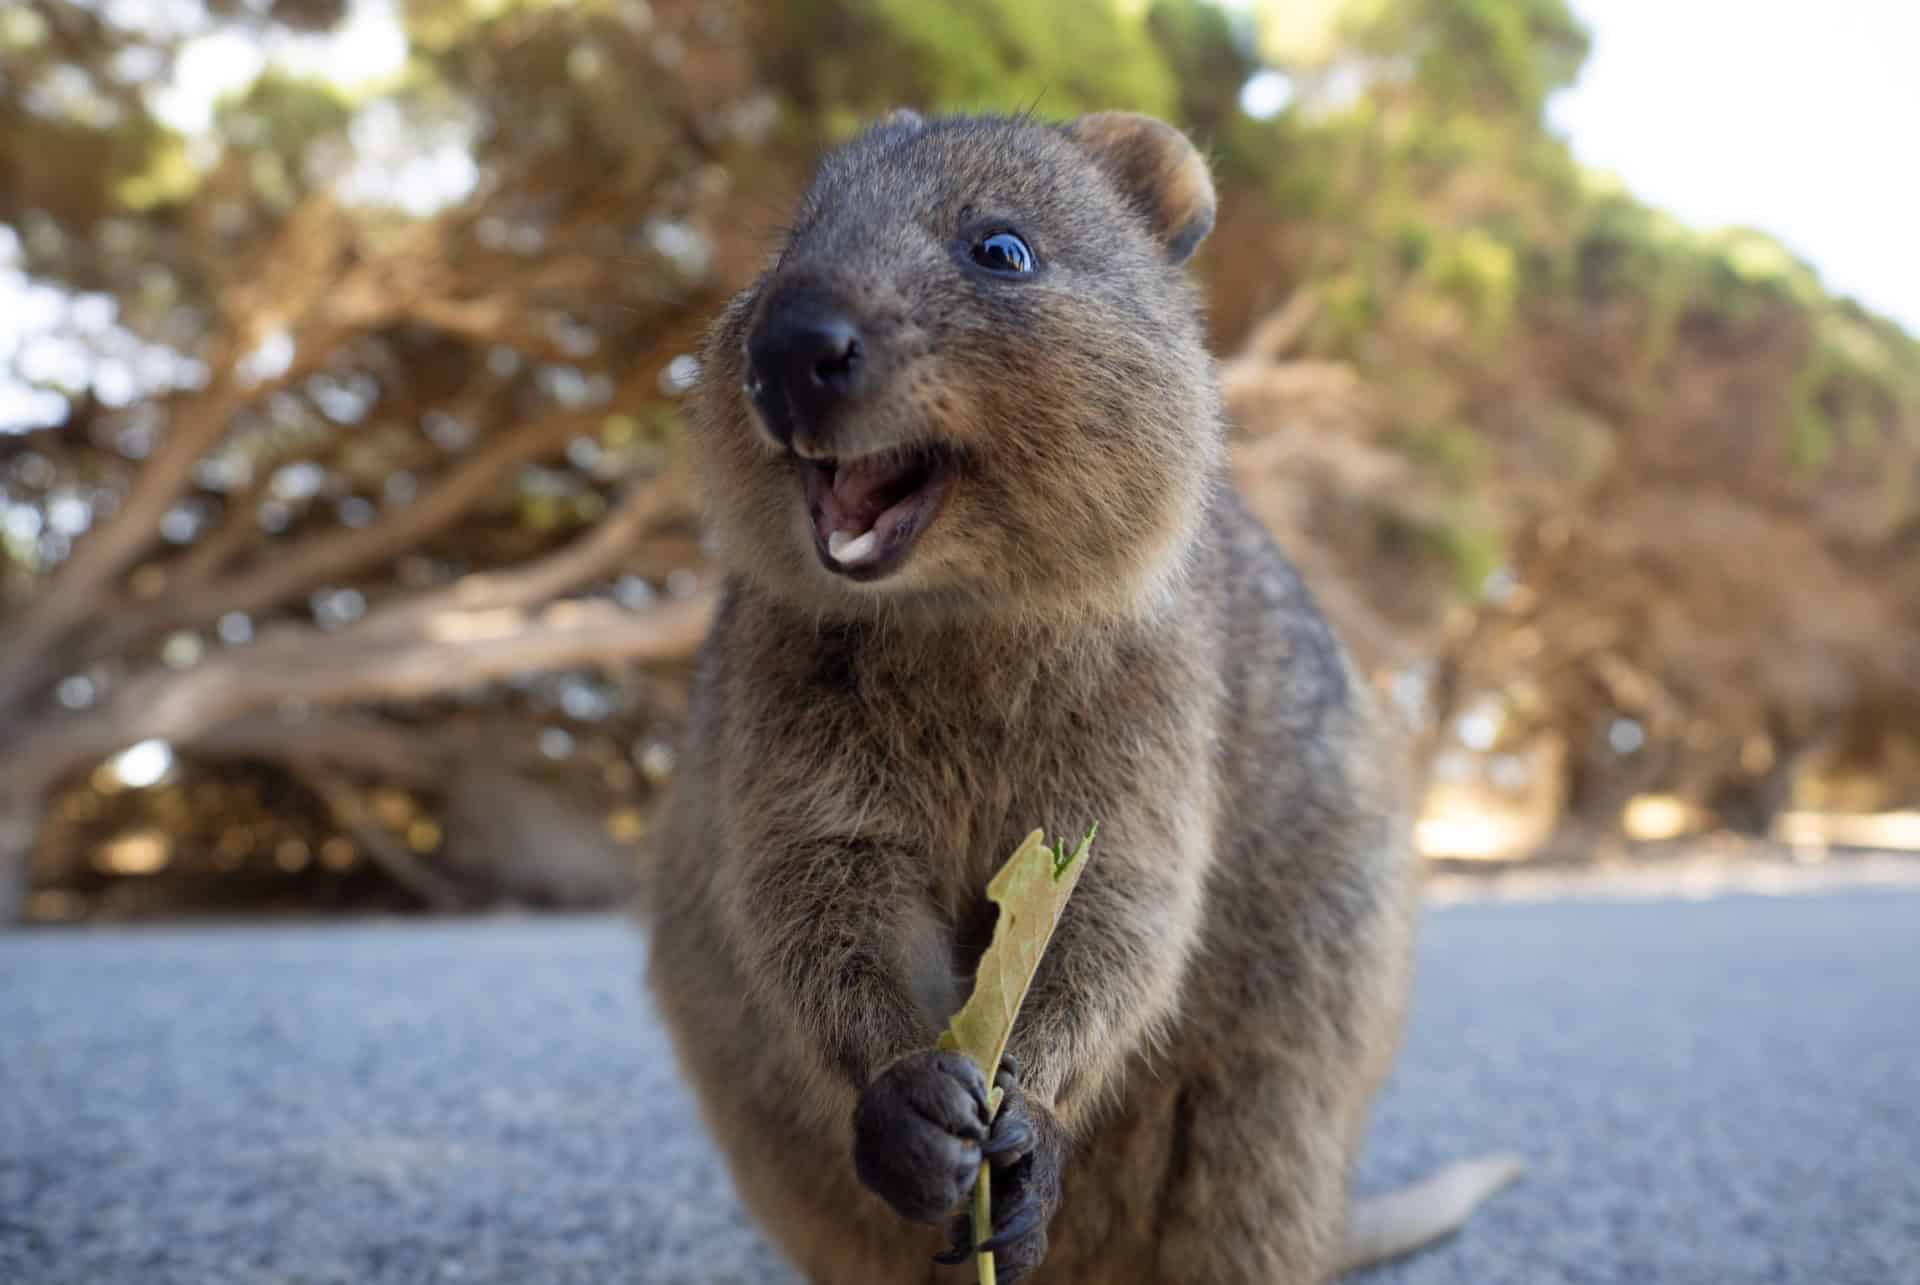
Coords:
pixel 983 1222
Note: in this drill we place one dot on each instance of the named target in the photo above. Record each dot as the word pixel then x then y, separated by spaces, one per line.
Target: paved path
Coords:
pixel 1712 1093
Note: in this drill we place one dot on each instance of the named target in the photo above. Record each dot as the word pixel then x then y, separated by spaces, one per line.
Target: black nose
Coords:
pixel 804 358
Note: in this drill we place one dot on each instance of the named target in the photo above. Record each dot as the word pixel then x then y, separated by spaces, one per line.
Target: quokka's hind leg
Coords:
pixel 1255 1187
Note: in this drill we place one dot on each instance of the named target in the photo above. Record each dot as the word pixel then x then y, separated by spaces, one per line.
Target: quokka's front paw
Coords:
pixel 1027 1149
pixel 919 1133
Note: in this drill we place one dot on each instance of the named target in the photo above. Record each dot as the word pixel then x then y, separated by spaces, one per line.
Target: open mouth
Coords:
pixel 867 512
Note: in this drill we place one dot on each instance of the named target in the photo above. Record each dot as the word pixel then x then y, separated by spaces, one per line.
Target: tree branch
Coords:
pixel 411 756
pixel 439 652
pixel 84 578
pixel 339 552
pixel 434 890
pixel 304 252
pixel 592 556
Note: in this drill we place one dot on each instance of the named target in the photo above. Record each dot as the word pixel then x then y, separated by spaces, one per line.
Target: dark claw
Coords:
pixel 1021 1223
pixel 1012 1139
pixel 960 1232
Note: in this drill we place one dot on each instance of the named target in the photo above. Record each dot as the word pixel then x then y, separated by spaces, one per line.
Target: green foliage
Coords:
pixel 1446 234
pixel 1499 56
pixel 998 55
pixel 164 175
pixel 1479 273
pixel 282 114
pixel 1473 547
pixel 1464 542
pixel 1858 374
pixel 21 30
pixel 1451 451
pixel 436 25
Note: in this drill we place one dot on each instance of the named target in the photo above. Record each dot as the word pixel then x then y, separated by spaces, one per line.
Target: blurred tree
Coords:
pixel 366 400
pixel 1640 488
pixel 1493 57
pixel 353 503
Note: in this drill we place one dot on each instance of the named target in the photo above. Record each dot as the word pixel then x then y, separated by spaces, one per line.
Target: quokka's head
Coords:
pixel 974 377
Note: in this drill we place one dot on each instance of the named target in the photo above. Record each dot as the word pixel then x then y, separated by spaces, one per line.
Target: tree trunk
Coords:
pixel 19 827
pixel 526 844
pixel 1598 785
pixel 1748 807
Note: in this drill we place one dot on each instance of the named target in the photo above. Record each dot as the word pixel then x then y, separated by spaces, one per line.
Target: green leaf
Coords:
pixel 1031 890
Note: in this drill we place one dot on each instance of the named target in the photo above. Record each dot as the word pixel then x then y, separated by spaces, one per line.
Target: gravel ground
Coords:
pixel 1709 1091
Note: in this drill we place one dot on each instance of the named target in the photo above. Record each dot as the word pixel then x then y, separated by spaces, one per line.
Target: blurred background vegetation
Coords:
pixel 346 560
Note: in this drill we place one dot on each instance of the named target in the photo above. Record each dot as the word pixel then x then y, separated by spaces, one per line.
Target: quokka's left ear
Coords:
pixel 1160 172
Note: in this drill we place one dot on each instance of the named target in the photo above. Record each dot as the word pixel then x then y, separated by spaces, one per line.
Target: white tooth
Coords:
pixel 846 548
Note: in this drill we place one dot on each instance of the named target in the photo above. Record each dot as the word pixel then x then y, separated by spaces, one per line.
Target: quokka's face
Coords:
pixel 973 374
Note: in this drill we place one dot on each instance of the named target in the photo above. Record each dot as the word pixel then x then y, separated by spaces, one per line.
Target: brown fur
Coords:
pixel 1092 629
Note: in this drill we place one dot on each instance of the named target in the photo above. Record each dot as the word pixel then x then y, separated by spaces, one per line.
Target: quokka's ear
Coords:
pixel 1158 170
pixel 900 118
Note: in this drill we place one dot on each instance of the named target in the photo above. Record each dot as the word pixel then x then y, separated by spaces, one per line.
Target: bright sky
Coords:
pixel 367 45
pixel 1800 119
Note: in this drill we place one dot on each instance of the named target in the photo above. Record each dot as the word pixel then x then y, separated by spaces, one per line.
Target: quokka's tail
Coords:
pixel 1398 1222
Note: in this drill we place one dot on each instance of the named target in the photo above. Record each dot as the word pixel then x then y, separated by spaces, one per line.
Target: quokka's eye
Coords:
pixel 1003 252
